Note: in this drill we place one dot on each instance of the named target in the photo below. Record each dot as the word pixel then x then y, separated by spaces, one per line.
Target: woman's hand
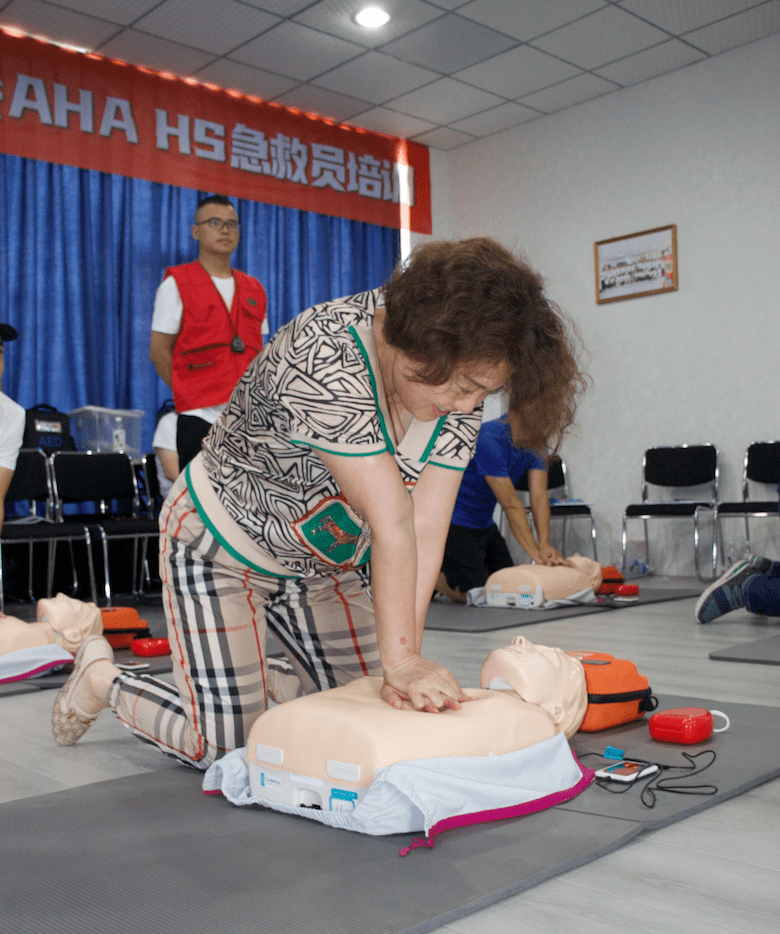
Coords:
pixel 551 556
pixel 425 684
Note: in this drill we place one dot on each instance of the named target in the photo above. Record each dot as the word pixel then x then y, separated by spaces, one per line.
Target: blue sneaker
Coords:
pixel 765 565
pixel 725 594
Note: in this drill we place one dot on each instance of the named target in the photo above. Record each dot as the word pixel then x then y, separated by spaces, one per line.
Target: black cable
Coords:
pixel 657 782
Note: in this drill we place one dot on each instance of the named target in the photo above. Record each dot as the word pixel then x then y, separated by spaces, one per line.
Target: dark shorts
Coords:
pixel 472 555
pixel 190 432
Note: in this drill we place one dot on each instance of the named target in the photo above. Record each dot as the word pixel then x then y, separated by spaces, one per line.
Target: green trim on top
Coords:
pixel 447 466
pixel 306 444
pixel 221 539
pixel 364 354
pixel 434 436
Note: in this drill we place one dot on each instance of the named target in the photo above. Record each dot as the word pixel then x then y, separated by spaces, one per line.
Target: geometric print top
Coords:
pixel 317 385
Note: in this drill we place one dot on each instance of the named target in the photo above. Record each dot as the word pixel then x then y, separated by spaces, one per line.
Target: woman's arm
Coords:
pixel 540 510
pixel 434 500
pixel 514 510
pixel 401 572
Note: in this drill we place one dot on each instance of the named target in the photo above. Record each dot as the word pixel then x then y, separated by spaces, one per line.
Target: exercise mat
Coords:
pixel 747 754
pixel 455 617
pixel 186 863
pixel 760 652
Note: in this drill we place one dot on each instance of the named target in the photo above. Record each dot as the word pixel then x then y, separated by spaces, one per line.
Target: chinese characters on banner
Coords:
pixel 83 110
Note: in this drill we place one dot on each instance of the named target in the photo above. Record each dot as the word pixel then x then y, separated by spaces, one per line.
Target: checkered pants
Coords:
pixel 217 610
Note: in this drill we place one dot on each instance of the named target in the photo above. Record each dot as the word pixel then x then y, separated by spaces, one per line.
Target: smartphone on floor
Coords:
pixel 626 770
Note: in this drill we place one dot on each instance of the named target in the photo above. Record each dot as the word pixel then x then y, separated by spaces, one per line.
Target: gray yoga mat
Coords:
pixel 455 617
pixel 760 652
pixel 150 852
pixel 747 754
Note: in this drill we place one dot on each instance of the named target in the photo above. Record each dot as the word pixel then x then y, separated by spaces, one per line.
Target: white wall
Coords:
pixel 699 148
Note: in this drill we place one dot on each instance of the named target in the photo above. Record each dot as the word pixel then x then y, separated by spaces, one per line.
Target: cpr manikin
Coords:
pixel 533 585
pixel 323 750
pixel 61 620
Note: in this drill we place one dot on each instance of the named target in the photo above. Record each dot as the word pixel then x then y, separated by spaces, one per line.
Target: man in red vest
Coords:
pixel 208 324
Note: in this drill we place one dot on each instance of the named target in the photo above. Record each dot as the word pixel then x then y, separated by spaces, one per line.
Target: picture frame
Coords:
pixel 637 264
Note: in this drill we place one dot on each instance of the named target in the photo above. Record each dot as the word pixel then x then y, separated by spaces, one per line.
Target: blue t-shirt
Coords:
pixel 495 456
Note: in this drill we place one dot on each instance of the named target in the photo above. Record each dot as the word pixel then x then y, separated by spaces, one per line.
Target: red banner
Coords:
pixel 81 109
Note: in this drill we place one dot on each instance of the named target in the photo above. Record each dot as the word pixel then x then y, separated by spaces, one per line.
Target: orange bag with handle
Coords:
pixel 617 693
pixel 121 624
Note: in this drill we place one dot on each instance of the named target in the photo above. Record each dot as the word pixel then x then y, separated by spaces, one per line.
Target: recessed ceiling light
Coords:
pixel 372 17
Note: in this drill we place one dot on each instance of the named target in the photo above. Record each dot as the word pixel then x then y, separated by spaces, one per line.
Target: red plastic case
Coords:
pixel 685 725
pixel 149 648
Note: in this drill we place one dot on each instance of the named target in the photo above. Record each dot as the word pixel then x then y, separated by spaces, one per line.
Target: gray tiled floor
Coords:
pixel 717 871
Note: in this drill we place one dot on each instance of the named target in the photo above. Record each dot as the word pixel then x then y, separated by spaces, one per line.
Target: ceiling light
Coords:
pixel 372 17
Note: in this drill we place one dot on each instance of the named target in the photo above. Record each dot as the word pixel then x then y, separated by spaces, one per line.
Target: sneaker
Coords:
pixel 764 565
pixel 725 594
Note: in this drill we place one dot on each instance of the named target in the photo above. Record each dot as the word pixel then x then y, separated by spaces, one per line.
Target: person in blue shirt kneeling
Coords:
pixel 475 548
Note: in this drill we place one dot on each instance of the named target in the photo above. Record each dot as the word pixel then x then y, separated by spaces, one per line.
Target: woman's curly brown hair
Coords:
pixel 473 301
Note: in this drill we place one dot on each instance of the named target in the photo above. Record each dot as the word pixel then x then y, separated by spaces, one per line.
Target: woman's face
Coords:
pixel 467 388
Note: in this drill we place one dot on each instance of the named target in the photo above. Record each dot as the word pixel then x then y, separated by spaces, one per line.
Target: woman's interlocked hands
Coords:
pixel 427 686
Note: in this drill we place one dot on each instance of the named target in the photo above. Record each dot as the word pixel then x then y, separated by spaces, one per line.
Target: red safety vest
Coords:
pixel 205 368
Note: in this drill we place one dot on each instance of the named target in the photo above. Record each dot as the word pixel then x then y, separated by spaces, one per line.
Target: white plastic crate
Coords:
pixel 97 429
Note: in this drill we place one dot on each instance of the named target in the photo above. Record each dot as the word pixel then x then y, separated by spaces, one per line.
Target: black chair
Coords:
pixel 31 484
pixel 108 482
pixel 672 469
pixel 761 467
pixel 558 488
pixel 149 484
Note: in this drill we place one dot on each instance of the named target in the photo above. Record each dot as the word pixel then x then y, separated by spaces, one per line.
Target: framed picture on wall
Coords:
pixel 643 263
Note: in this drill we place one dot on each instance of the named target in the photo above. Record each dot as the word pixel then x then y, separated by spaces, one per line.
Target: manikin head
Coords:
pixel 61 619
pixel 72 620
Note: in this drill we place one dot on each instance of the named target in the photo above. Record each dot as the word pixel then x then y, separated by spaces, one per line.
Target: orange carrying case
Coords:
pixel 121 624
pixel 617 693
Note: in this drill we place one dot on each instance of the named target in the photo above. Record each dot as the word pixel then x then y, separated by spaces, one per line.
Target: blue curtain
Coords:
pixel 82 254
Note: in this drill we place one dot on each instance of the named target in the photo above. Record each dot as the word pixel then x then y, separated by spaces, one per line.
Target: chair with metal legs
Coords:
pixel 760 470
pixel 668 471
pixel 31 485
pixel 108 481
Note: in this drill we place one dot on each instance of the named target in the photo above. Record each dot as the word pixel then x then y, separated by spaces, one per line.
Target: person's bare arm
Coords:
pixel 161 354
pixel 540 510
pixel 434 499
pixel 399 576
pixel 514 510
pixel 6 476
pixel 170 462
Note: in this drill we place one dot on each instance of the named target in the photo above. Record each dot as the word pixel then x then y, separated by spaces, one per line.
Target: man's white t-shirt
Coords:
pixel 166 319
pixel 12 421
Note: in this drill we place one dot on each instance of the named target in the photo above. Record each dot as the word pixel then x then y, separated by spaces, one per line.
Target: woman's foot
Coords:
pixel 85 693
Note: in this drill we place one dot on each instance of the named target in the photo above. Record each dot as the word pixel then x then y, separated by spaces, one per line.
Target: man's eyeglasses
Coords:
pixel 216 224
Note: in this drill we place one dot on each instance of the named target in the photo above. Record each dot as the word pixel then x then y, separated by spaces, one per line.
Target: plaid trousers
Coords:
pixel 218 610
